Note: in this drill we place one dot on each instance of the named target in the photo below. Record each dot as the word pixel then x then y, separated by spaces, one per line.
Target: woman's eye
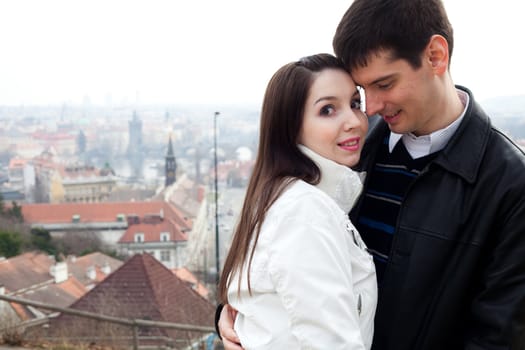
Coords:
pixel 384 86
pixel 327 110
pixel 355 104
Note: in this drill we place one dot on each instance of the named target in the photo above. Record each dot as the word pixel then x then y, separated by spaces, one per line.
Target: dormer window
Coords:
pixel 139 237
pixel 164 237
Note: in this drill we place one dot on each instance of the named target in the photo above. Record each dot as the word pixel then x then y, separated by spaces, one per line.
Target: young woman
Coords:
pixel 298 273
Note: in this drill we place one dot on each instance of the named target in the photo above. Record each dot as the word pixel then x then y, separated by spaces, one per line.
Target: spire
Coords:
pixel 171 165
pixel 170 148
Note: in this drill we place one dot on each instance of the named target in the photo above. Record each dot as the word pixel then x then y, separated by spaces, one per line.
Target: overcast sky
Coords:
pixel 213 51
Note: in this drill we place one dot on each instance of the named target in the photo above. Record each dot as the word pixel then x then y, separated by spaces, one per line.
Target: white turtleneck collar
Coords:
pixel 338 181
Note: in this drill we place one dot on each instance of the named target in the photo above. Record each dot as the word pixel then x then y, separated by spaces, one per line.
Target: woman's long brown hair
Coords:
pixel 279 161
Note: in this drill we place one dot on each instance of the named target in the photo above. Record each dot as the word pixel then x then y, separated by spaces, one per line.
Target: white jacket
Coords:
pixel 313 282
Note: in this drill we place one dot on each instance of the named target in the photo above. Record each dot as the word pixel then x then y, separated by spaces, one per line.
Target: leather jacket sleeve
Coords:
pixel 498 311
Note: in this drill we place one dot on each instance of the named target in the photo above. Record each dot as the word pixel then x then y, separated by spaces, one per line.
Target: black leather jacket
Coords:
pixel 456 274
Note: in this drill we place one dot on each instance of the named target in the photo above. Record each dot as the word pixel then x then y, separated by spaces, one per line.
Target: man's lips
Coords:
pixel 391 117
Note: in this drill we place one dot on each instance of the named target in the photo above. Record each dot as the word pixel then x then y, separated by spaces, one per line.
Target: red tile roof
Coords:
pixel 141 288
pixel 185 194
pixel 75 172
pixel 45 213
pixel 78 266
pixel 28 276
pixel 22 311
pixel 152 232
pixel 62 294
pixel 17 162
pixel 25 270
pixel 186 275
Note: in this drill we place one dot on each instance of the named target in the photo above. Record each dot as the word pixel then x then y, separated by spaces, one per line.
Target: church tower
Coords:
pixel 171 165
pixel 135 147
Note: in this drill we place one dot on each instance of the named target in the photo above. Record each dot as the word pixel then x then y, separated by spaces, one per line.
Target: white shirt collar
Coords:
pixel 338 181
pixel 420 146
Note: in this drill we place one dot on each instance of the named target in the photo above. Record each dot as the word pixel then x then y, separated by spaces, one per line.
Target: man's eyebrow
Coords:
pixel 383 78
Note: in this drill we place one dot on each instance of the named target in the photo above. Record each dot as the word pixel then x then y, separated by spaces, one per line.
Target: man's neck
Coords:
pixel 450 109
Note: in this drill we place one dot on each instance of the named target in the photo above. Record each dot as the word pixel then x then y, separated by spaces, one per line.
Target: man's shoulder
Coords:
pixel 506 142
pixel 477 130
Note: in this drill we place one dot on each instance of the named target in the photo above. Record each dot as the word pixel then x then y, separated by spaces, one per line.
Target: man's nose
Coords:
pixel 373 104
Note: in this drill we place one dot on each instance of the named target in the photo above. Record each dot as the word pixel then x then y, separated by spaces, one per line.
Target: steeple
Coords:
pixel 171 165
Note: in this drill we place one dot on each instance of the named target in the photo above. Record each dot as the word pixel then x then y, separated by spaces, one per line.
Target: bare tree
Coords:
pixel 78 243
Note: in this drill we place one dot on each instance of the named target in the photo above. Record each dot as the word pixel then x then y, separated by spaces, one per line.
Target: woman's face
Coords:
pixel 333 124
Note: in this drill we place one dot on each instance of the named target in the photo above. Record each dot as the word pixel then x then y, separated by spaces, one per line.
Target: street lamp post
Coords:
pixel 216 196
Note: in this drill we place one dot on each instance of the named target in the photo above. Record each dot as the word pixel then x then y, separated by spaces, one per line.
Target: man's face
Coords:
pixel 405 97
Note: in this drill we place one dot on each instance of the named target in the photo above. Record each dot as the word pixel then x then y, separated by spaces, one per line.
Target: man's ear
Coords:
pixel 436 54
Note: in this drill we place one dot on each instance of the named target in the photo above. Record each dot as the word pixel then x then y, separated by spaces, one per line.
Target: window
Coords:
pixel 164 237
pixel 164 255
pixel 139 237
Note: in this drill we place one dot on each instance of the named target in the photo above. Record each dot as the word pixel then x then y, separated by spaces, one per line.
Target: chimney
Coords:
pixel 106 269
pixel 91 273
pixel 59 271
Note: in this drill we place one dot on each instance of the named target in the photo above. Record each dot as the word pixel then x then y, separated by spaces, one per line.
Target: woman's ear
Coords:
pixel 436 54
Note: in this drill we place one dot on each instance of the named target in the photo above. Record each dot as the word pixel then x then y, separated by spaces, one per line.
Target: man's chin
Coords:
pixel 397 129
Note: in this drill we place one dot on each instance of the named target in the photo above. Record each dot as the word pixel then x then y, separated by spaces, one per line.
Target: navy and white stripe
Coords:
pixel 387 185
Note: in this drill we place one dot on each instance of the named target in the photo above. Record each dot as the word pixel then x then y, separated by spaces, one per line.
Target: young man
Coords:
pixel 444 207
pixel 443 210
